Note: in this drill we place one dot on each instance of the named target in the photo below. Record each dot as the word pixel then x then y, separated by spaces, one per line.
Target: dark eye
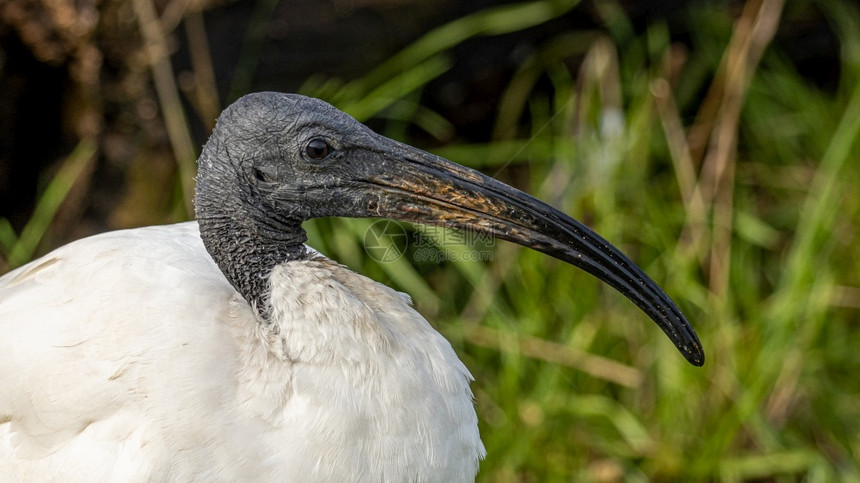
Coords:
pixel 317 149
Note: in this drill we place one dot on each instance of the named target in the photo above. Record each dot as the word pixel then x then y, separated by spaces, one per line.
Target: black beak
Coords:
pixel 411 185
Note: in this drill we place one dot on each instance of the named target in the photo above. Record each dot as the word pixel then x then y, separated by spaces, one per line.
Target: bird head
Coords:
pixel 276 160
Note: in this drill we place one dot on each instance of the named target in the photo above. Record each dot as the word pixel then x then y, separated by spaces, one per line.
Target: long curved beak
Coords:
pixel 411 185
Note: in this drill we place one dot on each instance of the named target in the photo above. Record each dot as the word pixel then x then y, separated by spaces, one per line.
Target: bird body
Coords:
pixel 187 383
pixel 227 350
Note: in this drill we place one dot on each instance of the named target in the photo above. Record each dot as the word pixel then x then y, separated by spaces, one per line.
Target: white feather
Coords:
pixel 128 356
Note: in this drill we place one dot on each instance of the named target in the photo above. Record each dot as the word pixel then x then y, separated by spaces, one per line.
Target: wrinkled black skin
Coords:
pixel 257 183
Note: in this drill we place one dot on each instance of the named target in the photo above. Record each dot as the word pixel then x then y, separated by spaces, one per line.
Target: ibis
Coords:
pixel 225 349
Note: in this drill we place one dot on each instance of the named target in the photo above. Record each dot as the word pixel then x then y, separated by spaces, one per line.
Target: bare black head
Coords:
pixel 276 160
pixel 271 163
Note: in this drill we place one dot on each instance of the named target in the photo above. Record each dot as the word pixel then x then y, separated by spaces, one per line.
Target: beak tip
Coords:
pixel 694 355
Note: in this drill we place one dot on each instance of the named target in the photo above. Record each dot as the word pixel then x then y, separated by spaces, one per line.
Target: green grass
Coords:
pixel 572 381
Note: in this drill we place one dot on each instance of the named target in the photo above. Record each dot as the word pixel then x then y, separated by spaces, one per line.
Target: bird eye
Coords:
pixel 317 149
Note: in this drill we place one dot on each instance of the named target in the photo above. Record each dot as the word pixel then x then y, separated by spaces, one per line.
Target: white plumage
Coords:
pixel 186 385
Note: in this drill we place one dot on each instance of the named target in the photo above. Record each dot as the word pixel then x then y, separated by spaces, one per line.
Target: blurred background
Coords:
pixel 714 142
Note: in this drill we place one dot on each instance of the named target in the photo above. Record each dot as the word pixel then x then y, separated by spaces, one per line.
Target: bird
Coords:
pixel 226 349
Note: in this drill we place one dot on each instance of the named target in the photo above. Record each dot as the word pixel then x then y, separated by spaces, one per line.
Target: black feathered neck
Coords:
pixel 246 258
